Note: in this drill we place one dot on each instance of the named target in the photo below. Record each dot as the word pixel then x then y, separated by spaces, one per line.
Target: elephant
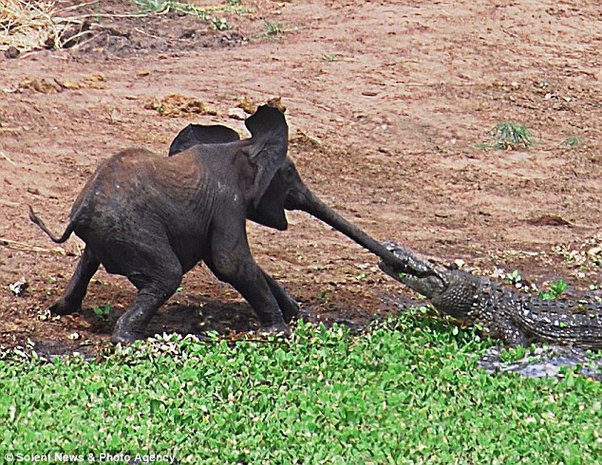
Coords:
pixel 152 218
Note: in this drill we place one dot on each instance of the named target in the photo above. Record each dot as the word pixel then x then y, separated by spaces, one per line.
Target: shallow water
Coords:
pixel 550 361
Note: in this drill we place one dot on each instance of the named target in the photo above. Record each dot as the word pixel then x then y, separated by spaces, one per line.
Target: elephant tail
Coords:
pixel 38 221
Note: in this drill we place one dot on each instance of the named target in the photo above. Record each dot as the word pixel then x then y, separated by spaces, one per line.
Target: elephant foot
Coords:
pixel 290 309
pixel 304 315
pixel 62 307
pixel 278 329
pixel 125 337
pixel 127 331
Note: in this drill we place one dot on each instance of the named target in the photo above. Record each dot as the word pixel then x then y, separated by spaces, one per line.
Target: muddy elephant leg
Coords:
pixel 288 305
pixel 231 261
pixel 157 282
pixel 75 292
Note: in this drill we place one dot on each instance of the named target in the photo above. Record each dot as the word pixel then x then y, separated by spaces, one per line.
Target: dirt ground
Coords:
pixel 388 105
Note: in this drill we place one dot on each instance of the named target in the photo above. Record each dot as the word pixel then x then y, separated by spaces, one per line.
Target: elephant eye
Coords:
pixel 289 172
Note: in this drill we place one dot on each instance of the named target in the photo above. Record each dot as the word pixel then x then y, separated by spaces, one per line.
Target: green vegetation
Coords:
pixel 572 142
pixel 221 24
pixel 556 288
pixel 513 354
pixel 272 29
pixel 406 391
pixel 153 6
pixel 509 136
pixel 331 57
pixel 102 312
pixel 515 278
pixel 483 145
pixel 324 297
pixel 203 13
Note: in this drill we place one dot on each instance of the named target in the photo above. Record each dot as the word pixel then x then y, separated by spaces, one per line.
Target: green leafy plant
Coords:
pixel 510 135
pixel 153 6
pixel 221 24
pixel 102 312
pixel 515 278
pixel 514 354
pixel 483 145
pixel 362 276
pixel 406 390
pixel 556 288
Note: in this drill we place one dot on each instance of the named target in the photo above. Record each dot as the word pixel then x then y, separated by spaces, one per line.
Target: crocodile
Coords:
pixel 516 318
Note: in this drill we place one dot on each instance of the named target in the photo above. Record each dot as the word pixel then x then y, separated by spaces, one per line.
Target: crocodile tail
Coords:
pixel 38 221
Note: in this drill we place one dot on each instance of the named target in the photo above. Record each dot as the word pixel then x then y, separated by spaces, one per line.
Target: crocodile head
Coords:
pixel 450 290
pixel 432 282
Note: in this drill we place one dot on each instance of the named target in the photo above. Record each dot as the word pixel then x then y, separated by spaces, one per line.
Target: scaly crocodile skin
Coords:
pixel 503 313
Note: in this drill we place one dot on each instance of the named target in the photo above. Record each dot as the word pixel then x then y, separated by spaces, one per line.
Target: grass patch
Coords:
pixel 509 136
pixel 331 57
pixel 204 13
pixel 406 391
pixel 272 29
pixel 572 142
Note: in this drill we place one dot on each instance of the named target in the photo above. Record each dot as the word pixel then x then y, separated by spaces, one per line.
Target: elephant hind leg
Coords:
pixel 157 283
pixel 288 305
pixel 74 294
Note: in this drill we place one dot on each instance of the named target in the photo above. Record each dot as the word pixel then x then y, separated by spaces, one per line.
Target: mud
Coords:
pixel 389 105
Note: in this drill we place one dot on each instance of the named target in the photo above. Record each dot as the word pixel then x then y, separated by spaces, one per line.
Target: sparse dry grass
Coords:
pixel 29 25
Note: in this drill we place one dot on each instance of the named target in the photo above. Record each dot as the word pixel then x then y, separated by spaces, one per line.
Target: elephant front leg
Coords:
pixel 248 279
pixel 231 261
pixel 74 294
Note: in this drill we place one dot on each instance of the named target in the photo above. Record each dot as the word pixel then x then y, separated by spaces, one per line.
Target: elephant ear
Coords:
pixel 267 148
pixel 195 134
pixel 270 210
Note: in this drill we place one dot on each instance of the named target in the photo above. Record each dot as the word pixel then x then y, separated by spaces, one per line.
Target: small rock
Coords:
pixel 12 52
pixel 459 263
pixel 237 113
pixel 18 288
pixel 44 314
pixel 595 252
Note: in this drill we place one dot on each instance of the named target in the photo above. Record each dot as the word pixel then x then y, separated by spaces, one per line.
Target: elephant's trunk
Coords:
pixel 311 204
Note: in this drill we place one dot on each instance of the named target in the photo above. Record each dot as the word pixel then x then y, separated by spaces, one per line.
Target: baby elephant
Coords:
pixel 152 218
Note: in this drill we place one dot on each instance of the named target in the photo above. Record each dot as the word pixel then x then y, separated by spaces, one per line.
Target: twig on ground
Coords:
pixel 32 248
pixel 5 156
